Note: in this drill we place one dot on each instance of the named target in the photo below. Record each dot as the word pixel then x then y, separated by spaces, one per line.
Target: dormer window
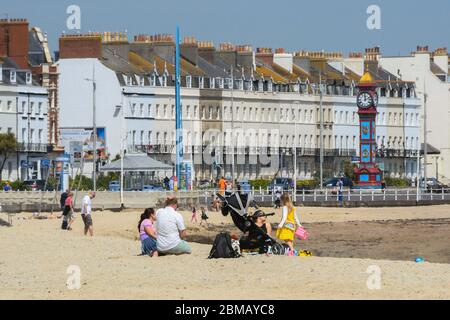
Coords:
pixel 12 76
pixel 153 80
pixel 212 83
pixel 229 83
pixel 241 85
pixel 260 86
pixel 270 86
pixel 28 78
pixel 164 80
pixel 220 82
pixel 201 82
pixel 141 81
pixel 189 81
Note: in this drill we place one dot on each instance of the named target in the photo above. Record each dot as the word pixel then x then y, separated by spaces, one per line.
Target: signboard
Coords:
pixel 76 151
pixel 45 163
pixel 85 138
pixel 355 159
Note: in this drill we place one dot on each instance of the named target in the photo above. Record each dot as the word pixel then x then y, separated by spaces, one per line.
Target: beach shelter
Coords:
pixel 139 170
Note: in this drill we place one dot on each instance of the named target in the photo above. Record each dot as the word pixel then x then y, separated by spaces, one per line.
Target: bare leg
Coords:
pixel 290 244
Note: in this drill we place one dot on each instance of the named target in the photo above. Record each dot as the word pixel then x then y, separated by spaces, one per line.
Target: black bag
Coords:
pixel 222 247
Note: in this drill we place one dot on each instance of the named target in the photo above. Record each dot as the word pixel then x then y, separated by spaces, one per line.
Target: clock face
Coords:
pixel 364 100
pixel 375 99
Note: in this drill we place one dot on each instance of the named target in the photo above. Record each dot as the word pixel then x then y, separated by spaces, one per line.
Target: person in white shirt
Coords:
pixel 170 230
pixel 86 210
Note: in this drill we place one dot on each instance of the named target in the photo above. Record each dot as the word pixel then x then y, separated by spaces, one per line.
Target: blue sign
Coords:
pixel 64 158
pixel 45 163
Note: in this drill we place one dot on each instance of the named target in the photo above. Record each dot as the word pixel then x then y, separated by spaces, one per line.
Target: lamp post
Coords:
pixel 94 125
pixel 321 130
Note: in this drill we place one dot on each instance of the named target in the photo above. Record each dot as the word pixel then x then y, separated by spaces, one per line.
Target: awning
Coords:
pixel 430 149
pixel 136 162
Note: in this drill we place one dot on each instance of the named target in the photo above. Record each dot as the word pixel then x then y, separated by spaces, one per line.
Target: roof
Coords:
pixel 430 149
pixel 436 69
pixel 366 78
pixel 136 162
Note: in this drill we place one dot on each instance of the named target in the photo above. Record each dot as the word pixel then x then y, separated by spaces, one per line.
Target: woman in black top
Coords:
pixel 254 239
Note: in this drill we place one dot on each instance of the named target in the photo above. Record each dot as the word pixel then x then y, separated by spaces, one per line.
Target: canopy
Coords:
pixel 136 162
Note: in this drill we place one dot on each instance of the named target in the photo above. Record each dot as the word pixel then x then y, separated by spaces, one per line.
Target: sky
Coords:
pixel 329 25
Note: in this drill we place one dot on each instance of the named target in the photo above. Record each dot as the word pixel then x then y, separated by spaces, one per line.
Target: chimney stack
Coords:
pixel 265 55
pixel 189 50
pixel 227 53
pixel 14 40
pixel 80 46
pixel 245 57
pixel 206 50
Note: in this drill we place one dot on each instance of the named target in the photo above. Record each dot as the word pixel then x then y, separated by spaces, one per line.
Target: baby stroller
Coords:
pixel 237 206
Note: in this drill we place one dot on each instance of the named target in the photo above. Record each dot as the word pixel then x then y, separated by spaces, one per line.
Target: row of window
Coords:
pixel 267 139
pixel 36 135
pixel 257 85
pixel 35 109
pixel 267 114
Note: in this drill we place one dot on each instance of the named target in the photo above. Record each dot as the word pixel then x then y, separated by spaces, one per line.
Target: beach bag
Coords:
pixel 222 247
pixel 301 233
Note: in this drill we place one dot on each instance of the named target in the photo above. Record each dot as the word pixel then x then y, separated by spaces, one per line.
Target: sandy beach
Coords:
pixel 35 256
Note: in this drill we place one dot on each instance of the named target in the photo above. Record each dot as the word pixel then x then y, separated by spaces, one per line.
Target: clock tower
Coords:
pixel 368 175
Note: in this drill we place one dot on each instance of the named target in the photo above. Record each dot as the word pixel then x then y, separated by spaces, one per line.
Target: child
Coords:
pixel 194 215
pixel 147 232
pixel 289 223
pixel 204 216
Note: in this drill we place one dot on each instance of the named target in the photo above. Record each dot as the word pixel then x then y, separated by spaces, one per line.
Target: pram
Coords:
pixel 237 206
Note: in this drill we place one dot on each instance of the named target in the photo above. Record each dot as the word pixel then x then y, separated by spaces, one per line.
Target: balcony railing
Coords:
pixel 34 147
pixel 396 153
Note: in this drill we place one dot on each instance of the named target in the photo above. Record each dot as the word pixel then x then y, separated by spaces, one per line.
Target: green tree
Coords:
pixel 8 146
pixel 349 169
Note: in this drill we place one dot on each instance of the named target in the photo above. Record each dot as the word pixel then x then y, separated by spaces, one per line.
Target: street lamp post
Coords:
pixel 321 129
pixel 94 125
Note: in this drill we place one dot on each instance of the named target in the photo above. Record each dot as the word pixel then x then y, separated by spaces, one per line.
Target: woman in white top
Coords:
pixel 289 222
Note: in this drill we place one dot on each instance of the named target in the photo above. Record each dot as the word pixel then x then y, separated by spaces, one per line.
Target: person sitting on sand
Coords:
pixel 289 223
pixel 147 233
pixel 254 239
pixel 171 230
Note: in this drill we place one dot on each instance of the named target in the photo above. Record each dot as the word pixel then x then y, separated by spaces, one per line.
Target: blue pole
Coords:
pixel 178 124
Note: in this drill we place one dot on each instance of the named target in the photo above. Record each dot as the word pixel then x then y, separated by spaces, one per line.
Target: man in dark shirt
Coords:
pixel 62 200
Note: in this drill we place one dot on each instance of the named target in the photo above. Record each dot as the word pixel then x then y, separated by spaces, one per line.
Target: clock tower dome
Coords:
pixel 368 175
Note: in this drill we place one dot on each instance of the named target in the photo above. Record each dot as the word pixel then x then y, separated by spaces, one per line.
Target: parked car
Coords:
pixel 114 185
pixel 434 185
pixel 283 183
pixel 152 187
pixel 37 185
pixel 204 184
pixel 332 183
pixel 245 186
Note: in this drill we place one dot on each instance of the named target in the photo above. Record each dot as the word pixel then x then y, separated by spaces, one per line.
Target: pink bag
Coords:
pixel 301 233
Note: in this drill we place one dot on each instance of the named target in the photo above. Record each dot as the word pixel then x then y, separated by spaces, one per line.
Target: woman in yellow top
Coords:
pixel 289 222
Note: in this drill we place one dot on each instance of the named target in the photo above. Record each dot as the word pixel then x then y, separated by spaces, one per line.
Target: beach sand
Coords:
pixel 35 256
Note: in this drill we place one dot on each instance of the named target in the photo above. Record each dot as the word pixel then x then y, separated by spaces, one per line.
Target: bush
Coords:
pixel 259 183
pixel 17 185
pixel 397 182
pixel 307 184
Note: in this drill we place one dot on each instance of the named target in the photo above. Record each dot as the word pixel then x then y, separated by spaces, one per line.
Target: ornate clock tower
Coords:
pixel 368 175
